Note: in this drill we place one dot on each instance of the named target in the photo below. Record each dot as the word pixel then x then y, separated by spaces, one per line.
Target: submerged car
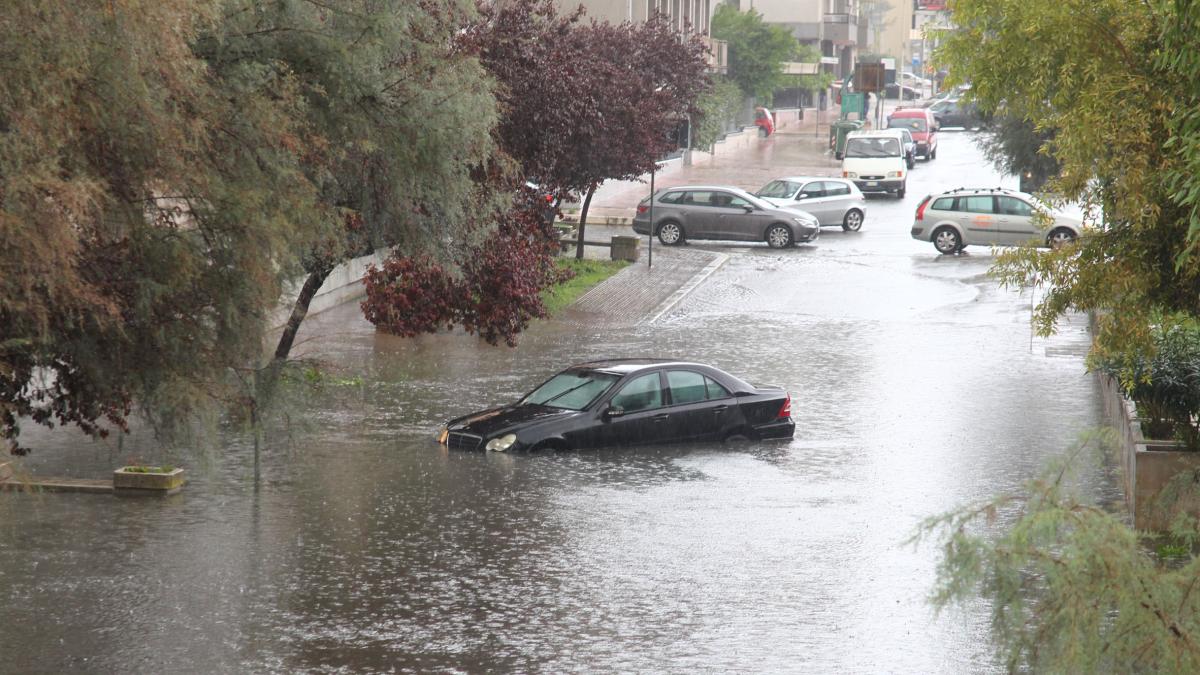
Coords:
pixel 833 201
pixel 627 402
pixel 722 212
pixel 990 217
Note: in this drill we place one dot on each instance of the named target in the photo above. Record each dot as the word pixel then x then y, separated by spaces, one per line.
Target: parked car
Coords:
pixel 833 201
pixel 902 92
pixel 914 81
pixel 722 212
pixel 910 148
pixel 764 120
pixel 875 161
pixel 627 402
pixel 990 217
pixel 922 124
pixel 955 112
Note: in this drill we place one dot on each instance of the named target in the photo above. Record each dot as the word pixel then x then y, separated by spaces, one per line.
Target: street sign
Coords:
pixel 796 68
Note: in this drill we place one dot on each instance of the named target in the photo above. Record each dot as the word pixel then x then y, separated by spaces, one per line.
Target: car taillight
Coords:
pixel 921 208
pixel 642 208
pixel 786 410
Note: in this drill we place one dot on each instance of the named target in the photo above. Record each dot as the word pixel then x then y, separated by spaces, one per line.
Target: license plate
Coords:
pixel 872 183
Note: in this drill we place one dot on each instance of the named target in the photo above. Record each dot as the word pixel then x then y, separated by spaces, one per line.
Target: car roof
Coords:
pixel 731 188
pixel 873 133
pixel 632 365
pixel 910 112
pixel 984 191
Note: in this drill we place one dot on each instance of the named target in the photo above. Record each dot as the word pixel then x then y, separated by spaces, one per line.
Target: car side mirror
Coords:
pixel 613 411
pixel 802 195
pixel 747 208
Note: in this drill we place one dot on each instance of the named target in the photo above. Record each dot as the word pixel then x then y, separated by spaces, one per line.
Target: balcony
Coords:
pixel 718 56
pixel 841 28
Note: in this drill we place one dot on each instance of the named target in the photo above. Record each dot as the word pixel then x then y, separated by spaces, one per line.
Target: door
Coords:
pixel 643 417
pixel 701 409
pixel 1015 221
pixel 739 219
pixel 840 199
pixel 979 214
pixel 813 198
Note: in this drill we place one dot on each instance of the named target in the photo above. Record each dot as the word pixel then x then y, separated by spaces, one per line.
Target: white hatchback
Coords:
pixel 990 217
pixel 833 201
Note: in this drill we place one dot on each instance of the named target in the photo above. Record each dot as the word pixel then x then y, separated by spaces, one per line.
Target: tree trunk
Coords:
pixel 268 377
pixel 587 201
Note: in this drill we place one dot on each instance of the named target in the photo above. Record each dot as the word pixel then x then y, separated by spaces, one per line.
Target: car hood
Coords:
pixel 507 418
pixel 786 206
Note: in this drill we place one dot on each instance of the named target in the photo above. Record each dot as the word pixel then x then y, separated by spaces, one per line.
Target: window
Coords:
pixel 715 390
pixel 910 123
pixel 686 386
pixel 1011 206
pixel 979 204
pixel 779 189
pixel 836 189
pixel 573 391
pixel 813 190
pixel 872 147
pixel 642 393
pixel 944 204
pixel 699 199
pixel 739 202
pixel 671 197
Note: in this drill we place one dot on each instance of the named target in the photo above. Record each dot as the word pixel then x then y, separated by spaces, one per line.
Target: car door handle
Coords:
pixel 661 417
pixel 720 409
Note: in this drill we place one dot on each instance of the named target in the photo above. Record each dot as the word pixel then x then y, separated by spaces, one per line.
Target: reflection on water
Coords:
pixel 369 547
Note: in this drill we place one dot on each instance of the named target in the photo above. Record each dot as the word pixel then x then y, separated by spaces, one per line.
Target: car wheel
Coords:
pixel 1060 237
pixel 737 437
pixel 670 233
pixel 552 445
pixel 932 155
pixel 900 192
pixel 910 162
pixel 853 221
pixel 779 236
pixel 946 240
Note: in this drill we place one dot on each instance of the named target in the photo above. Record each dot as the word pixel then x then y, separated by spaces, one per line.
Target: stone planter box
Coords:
pixel 140 482
pixel 1148 464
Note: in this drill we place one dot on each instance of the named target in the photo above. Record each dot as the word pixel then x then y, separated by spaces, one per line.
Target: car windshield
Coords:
pixel 872 147
pixel 910 123
pixel 779 189
pixel 573 390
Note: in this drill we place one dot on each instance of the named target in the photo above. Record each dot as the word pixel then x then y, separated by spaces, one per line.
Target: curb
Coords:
pixel 683 291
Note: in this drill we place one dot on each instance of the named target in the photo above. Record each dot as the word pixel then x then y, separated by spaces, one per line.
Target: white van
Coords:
pixel 875 161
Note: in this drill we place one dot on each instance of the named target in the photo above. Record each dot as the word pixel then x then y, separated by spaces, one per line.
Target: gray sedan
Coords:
pixel 832 200
pixel 721 212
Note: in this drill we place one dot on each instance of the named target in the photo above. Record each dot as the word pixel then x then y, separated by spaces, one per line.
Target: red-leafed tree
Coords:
pixel 495 290
pixel 582 103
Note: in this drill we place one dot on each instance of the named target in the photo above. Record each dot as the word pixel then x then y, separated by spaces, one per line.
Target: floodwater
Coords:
pixel 916 385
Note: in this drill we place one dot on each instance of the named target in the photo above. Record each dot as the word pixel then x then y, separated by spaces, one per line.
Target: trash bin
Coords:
pixel 838 131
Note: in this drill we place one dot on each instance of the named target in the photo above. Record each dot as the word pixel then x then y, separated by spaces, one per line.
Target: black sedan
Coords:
pixel 627 402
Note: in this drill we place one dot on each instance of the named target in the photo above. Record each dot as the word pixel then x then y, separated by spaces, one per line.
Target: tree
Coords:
pixel 1015 146
pixel 1116 85
pixel 148 210
pixel 403 118
pixel 1071 588
pixel 585 103
pixel 757 50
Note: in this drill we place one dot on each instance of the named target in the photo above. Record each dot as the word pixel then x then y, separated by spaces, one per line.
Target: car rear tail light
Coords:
pixel 642 208
pixel 786 410
pixel 921 208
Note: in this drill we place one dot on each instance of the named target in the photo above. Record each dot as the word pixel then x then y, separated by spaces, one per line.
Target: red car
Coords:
pixel 921 123
pixel 764 120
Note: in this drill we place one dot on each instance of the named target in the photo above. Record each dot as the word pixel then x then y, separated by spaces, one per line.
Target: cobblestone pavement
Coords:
pixel 641 293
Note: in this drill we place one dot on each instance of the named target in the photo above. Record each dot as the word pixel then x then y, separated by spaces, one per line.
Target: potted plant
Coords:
pixel 164 479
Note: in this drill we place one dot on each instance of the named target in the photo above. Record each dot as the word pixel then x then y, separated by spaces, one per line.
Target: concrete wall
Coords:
pixel 343 285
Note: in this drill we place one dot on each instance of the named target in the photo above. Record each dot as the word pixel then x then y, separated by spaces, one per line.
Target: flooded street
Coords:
pixel 917 387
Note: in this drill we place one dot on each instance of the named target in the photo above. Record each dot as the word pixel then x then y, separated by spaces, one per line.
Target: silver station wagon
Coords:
pixel 722 212
pixel 990 217
pixel 833 201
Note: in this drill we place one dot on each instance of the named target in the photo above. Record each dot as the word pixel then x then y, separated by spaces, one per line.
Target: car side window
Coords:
pixel 671 197
pixel 779 189
pixel 699 199
pixel 944 204
pixel 715 390
pixel 737 201
pixel 642 393
pixel 979 204
pixel 686 386
pixel 1011 206
pixel 814 189
pixel 836 189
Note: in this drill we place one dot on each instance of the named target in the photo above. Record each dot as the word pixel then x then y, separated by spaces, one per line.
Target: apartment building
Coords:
pixel 834 27
pixel 688 16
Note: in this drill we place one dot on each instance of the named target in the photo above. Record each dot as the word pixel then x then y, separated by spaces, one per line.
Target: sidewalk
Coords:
pixel 640 294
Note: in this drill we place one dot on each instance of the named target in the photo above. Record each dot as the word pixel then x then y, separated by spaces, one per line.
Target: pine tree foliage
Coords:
pixel 1071 587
